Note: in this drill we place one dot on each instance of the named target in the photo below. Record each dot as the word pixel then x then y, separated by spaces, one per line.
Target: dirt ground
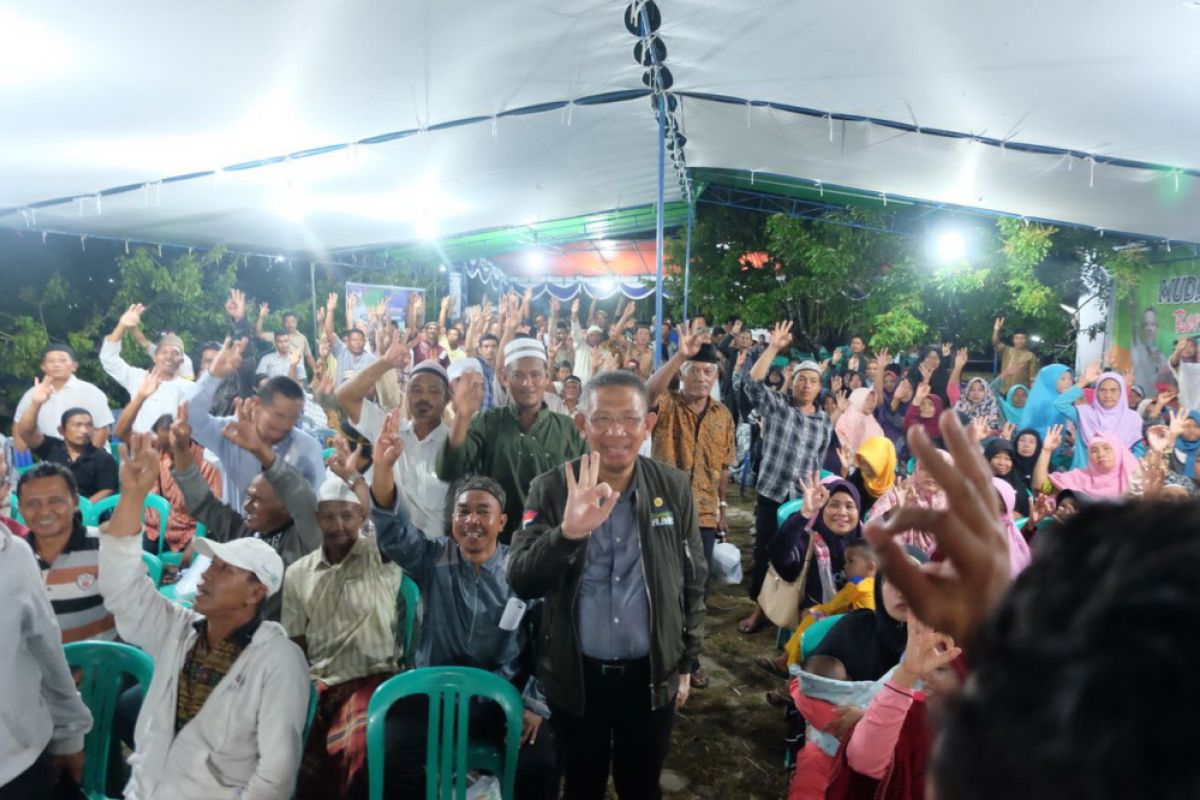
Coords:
pixel 728 743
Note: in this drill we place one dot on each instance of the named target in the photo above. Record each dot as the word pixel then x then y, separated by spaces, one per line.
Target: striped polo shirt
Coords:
pixel 74 589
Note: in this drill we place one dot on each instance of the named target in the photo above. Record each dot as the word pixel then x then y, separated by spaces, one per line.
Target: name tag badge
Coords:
pixel 662 519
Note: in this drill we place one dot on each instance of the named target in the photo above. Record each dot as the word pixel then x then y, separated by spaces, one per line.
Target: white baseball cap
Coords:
pixel 252 555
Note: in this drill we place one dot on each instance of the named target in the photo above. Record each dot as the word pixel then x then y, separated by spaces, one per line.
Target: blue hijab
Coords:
pixel 1039 412
pixel 1012 413
pixel 1187 451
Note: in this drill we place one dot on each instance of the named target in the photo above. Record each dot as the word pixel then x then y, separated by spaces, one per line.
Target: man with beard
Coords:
pixel 516 442
pixel 423 434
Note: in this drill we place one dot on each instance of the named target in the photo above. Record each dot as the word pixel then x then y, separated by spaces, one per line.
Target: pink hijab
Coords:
pixel 1094 483
pixel 1018 549
pixel 1121 421
pixel 937 501
pixel 855 426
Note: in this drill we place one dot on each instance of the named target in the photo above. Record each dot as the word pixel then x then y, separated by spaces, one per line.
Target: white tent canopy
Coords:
pixel 124 94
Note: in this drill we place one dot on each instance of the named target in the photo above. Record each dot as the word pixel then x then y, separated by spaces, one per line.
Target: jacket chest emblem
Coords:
pixel 662 519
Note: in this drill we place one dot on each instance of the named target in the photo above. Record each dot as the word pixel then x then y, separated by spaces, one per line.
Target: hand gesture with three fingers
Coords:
pixel 139 465
pixel 1053 438
pixel 589 500
pixel 968 533
pixel 389 446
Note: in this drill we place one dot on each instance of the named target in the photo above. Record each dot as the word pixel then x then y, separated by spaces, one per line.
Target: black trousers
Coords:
pixel 765 527
pixel 38 783
pixel 618 728
pixel 405 744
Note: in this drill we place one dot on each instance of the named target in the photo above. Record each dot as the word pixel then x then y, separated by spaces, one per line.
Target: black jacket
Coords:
pixel 543 563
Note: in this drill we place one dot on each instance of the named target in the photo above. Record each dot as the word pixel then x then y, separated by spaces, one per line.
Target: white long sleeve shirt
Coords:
pixel 244 744
pixel 166 397
pixel 39 706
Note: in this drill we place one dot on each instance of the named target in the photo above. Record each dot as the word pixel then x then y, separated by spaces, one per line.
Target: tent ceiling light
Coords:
pixel 951 247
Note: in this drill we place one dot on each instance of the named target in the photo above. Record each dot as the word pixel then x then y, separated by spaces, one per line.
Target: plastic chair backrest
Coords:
pixel 13 510
pixel 103 664
pixel 163 507
pixel 450 690
pixel 410 593
pixel 155 501
pixel 327 452
pixel 787 509
pixel 101 506
pixel 154 566
pixel 814 634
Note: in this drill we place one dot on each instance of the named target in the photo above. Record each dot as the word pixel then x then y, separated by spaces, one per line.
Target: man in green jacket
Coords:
pixel 612 542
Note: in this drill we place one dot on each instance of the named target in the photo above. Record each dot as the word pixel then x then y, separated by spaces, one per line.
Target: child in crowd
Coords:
pixel 859 592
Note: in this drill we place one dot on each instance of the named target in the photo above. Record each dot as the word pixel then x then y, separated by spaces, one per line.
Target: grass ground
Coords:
pixel 728 743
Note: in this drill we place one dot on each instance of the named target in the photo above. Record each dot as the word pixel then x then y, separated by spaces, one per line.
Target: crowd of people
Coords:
pixel 557 500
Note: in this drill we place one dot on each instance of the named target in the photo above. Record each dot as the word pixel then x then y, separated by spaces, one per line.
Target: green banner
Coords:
pixel 1164 307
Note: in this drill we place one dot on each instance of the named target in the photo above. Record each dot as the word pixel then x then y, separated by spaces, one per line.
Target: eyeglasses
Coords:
pixel 603 422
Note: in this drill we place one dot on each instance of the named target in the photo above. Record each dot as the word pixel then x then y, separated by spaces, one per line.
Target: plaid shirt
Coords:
pixel 794 443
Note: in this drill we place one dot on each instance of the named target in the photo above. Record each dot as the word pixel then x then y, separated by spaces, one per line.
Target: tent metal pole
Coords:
pixel 658 229
pixel 687 262
pixel 312 292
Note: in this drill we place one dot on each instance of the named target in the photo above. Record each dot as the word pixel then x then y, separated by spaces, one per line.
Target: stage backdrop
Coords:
pixel 1165 306
pixel 361 297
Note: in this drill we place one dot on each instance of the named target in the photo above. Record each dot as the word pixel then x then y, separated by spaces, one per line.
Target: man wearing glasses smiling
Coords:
pixel 612 544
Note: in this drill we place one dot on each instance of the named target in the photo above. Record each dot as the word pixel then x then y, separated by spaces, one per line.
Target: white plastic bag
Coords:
pixel 727 563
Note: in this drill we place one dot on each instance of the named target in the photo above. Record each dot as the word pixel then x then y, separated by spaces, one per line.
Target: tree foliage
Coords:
pixel 849 272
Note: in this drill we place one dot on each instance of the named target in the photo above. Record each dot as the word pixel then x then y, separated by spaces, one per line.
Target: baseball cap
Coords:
pixel 808 366
pixel 252 555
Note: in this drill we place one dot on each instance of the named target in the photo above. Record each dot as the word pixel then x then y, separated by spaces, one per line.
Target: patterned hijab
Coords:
pixel 986 408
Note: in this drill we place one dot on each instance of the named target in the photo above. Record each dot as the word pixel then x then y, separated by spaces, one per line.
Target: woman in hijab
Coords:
pixel 1012 405
pixel 1187 446
pixel 876 470
pixel 925 409
pixel 1039 412
pixel 939 374
pixel 1001 455
pixel 921 490
pixel 833 510
pixel 1018 549
pixel 1027 445
pixel 857 423
pixel 1108 412
pixel 1107 476
pixel 978 402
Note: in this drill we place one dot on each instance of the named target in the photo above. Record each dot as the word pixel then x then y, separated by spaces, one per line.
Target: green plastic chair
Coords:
pixel 103 664
pixel 410 594
pixel 450 690
pixel 14 511
pixel 154 566
pixel 155 501
pixel 787 509
pixel 327 452
pixel 814 634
